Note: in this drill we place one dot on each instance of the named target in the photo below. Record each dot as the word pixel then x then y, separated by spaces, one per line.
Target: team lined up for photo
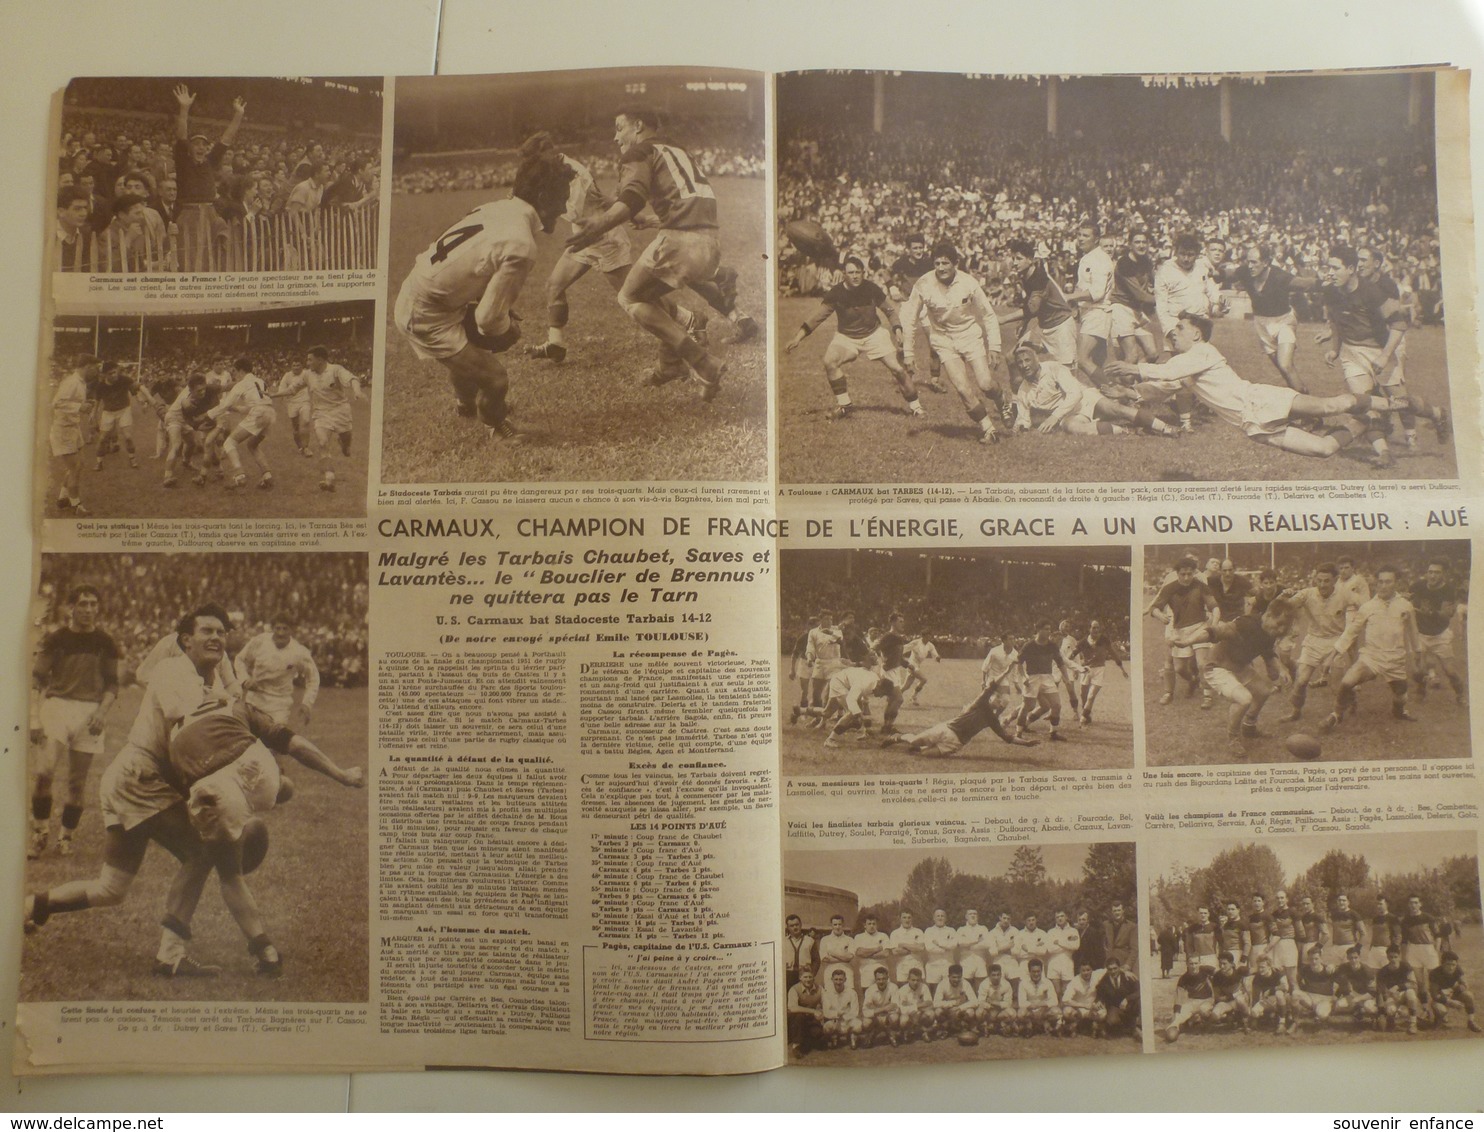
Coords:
pixel 968 982
pixel 1282 965
pixel 1086 357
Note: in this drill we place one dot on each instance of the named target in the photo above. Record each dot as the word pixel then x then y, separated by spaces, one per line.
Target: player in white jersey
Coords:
pixel 1095 293
pixel 1050 398
pixel 1185 283
pixel 612 254
pixel 1262 412
pixel 295 386
pixel 964 330
pixel 919 651
pixel 270 665
pixel 454 307
pixel 330 388
pixel 250 397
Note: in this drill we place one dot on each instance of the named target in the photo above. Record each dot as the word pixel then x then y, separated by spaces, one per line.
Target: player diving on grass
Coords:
pixel 455 306
pixel 1265 413
pixel 943 740
pixel 1050 398
pixel 859 307
pixel 685 252
pixel 613 255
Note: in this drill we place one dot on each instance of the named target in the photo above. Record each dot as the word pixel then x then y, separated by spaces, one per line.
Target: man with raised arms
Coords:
pixel 965 332
pixel 859 306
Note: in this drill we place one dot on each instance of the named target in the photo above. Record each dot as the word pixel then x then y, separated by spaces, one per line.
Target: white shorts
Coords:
pixel 1087 408
pixel 974 966
pixel 1224 682
pixel 1276 330
pixel 65 439
pixel 1380 667
pixel 1284 953
pixel 133 789
pixel 1316 650
pixel 66 722
pixel 1060 966
pixel 1127 322
pixel 824 669
pixel 1061 342
pixel 116 418
pixel 335 418
pixel 940 739
pixel 1422 957
pixel 1440 646
pixel 258 420
pixel 298 406
pixel 1097 322
pixel 681 258
pixel 1265 408
pixel 1092 677
pixel 613 251
pixel 1361 366
pixel 221 803
pixel 434 332
pixel 968 345
pixel 897 677
pixel 877 346
pixel 1039 685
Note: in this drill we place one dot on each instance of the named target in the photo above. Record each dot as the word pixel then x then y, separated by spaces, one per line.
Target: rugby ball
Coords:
pixel 254 844
pixel 810 238
pixel 968 1038
pixel 1302 746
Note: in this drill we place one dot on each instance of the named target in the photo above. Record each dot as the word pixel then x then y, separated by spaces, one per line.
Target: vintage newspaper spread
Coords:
pixel 447 657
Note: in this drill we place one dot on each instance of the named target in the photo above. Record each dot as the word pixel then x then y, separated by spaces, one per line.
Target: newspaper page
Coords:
pixel 404 682
pixel 1123 602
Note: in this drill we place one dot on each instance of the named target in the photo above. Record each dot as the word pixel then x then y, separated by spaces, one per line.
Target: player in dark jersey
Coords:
pixel 1368 265
pixel 1318 988
pixel 859 307
pixel 1314 933
pixel 76 681
pixel 1356 989
pixel 1397 992
pixel 1269 288
pixel 1094 653
pixel 198 163
pixel 686 251
pixel 1201 949
pixel 905 273
pixel 1228 990
pixel 799 669
pixel 1435 598
pixel 1186 606
pixel 1259 929
pixel 1041 657
pixel 1195 1001
pixel 948 738
pixel 1043 306
pixel 115 393
pixel 1231 933
pixel 1346 932
pixel 1269 993
pixel 1447 988
pixel 1133 301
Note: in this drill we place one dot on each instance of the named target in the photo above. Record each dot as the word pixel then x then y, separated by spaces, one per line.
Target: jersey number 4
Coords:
pixel 689 180
pixel 452 239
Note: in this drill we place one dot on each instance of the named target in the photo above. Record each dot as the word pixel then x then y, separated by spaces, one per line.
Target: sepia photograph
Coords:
pixel 1305 652
pixel 896 957
pixel 261 412
pixel 218 175
pixel 1111 279
pixel 213 706
pixel 1028 648
pixel 1315 939
pixel 577 278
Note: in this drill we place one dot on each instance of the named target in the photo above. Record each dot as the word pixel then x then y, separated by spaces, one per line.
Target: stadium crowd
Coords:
pixel 113 153
pixel 323 596
pixel 980 188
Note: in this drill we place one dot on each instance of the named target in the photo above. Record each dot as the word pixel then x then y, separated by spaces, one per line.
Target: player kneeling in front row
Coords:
pixel 880 1013
pixel 1080 1008
pixel 1446 990
pixel 915 1002
pixel 1050 398
pixel 956 1004
pixel 1264 413
pixel 1040 1006
pixel 840 1011
pixel 858 304
pixel 454 307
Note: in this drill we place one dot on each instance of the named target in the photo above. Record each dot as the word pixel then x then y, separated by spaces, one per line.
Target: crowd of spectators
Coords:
pixel 960 619
pixel 324 596
pixel 114 154
pixel 722 147
pixel 980 187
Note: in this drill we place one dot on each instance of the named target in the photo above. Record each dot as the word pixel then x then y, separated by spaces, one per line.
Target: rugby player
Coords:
pixel 1094 295
pixel 686 251
pixel 330 387
pixel 1040 1006
pixel 859 307
pixel 964 330
pixel 840 1010
pixel 1186 606
pixel 915 1007
pixel 805 1014
pixel 940 944
pixel 76 680
pixel 1269 288
pixel 1446 989
pixel 270 666
pixel 871 947
pixel 455 305
pixel 836 951
pixel 909 946
pixel 1195 1000
pixel 919 651
pixel 1269 993
pixel 1050 398
pixel 1325 609
pixel 1133 301
pixel 1435 600
pixel 1386 627
pixel 1397 992
pixel 955 1003
pixel 115 394
pixel 880 1013
pixel 905 273
pixel 1044 309
pixel 943 740
pixel 1042 659
pixel 1233 673
pixel 71 401
pixel 1093 653
pixel 250 395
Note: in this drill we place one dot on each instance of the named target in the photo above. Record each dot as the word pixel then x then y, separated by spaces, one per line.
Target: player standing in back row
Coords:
pixel 685 253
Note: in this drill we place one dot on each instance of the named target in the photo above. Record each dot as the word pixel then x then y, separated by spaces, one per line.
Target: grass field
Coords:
pixel 1469 943
pixel 122 492
pixel 588 419
pixel 880 443
pixel 1182 734
pixel 949 1052
pixel 313 891
pixel 1107 743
